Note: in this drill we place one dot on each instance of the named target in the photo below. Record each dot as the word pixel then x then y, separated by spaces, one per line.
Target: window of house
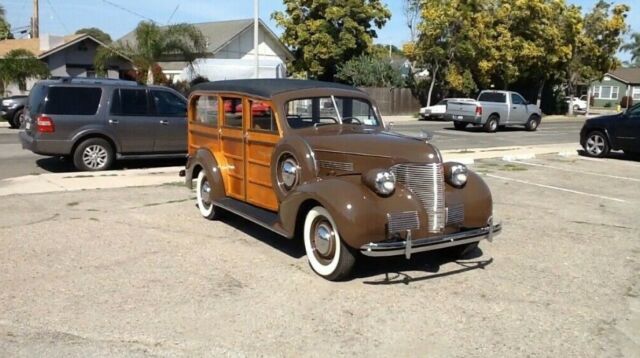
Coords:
pixel 207 110
pixel 232 112
pixel 262 117
pixel 606 78
pixel 636 93
pixel 606 92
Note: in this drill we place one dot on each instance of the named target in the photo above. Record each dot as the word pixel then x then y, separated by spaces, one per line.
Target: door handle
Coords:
pixel 164 122
pixel 514 107
pixel 114 121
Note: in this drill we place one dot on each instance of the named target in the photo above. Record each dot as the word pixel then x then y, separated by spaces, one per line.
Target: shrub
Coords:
pixel 607 105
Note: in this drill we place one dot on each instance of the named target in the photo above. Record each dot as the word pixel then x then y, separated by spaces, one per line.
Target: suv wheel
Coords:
pixel 17 120
pixel 596 145
pixel 93 154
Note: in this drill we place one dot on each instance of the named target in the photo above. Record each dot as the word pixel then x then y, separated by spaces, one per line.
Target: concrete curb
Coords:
pixel 57 182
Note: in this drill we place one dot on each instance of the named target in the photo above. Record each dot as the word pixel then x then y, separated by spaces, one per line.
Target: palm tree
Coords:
pixel 634 48
pixel 153 44
pixel 5 28
pixel 19 65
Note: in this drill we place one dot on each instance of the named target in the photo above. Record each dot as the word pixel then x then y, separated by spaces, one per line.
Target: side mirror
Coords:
pixel 389 126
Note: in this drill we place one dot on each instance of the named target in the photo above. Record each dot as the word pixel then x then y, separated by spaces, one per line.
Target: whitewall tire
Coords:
pixel 203 191
pixel 328 256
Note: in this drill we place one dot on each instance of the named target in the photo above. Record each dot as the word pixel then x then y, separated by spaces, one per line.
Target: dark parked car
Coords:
pixel 620 131
pixel 95 121
pixel 13 110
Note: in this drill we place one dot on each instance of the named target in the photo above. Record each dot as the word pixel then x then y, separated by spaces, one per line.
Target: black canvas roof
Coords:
pixel 267 88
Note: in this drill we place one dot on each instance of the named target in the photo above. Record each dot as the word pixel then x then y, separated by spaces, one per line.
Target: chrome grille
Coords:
pixel 333 165
pixel 426 181
pixel 403 221
pixel 455 214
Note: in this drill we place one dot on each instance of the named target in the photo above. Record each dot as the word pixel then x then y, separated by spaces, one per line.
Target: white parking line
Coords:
pixel 573 171
pixel 556 188
pixel 601 160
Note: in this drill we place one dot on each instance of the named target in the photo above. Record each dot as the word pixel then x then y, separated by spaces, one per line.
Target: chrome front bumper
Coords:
pixel 410 246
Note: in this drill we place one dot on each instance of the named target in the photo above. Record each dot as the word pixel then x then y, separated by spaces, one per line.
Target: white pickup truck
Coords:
pixel 494 109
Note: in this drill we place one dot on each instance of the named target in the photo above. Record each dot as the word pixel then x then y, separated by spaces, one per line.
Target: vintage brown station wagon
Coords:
pixel 313 160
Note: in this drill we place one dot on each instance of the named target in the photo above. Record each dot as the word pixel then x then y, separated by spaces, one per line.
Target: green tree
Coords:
pixel 633 47
pixel 5 28
pixel 153 44
pixel 370 71
pixel 19 65
pixel 325 33
pixel 97 34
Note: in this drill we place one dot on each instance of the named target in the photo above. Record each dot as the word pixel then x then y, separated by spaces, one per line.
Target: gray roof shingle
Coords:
pixel 629 75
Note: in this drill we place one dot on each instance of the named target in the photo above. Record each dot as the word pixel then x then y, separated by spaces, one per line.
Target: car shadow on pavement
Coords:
pixel 65 165
pixel 615 155
pixel 393 270
pixel 479 129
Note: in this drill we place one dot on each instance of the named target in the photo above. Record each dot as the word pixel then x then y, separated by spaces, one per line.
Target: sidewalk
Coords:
pixel 57 182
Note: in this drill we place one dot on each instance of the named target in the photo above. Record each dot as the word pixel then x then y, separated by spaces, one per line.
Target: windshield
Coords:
pixel 307 112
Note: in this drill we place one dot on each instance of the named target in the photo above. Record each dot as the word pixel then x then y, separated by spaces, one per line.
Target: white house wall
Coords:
pixel 241 47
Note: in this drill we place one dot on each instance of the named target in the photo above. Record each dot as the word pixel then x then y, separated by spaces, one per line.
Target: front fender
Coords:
pixel 204 160
pixel 361 214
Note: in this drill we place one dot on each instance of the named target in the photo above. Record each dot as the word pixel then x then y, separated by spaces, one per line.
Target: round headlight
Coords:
pixel 458 175
pixel 382 182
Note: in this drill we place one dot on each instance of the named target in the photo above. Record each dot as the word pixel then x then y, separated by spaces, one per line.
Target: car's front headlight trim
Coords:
pixel 457 175
pixel 381 181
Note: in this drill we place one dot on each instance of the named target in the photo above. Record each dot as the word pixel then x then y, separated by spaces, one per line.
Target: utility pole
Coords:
pixel 35 21
pixel 256 22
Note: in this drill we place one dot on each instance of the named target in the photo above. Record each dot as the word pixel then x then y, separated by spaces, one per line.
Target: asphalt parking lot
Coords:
pixel 138 272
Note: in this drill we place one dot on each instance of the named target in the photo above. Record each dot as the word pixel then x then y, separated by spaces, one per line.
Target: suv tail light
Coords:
pixel 44 124
pixel 478 111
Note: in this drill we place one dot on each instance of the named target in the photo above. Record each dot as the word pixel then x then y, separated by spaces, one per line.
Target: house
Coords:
pixel 615 85
pixel 66 56
pixel 230 53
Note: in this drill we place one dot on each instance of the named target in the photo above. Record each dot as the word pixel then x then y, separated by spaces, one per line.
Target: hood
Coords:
pixel 362 145
pixel 603 119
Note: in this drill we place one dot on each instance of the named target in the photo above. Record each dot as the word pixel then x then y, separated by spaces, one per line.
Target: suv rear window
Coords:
pixel 73 100
pixel 36 96
pixel 496 97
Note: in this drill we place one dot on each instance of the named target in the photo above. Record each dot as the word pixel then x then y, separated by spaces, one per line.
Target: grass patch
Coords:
pixel 513 168
pixel 73 203
pixel 94 219
pixel 174 183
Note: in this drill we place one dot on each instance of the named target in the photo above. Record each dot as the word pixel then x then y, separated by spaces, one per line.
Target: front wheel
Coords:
pixel 328 256
pixel 203 197
pixel 93 154
pixel 532 124
pixel 596 145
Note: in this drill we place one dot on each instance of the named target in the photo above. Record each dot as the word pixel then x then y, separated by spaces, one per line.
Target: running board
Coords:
pixel 265 218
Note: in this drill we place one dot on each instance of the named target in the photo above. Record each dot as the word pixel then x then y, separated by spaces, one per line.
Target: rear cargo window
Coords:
pixel 496 97
pixel 36 97
pixel 73 100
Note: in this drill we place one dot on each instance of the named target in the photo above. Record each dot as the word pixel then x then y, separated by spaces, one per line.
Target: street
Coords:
pixel 138 272
pixel 17 162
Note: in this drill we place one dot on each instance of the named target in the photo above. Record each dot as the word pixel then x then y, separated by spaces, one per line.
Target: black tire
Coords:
pixel 492 124
pixel 17 119
pixel 460 125
pixel 205 205
pixel 462 251
pixel 596 144
pixel 532 124
pixel 93 154
pixel 328 256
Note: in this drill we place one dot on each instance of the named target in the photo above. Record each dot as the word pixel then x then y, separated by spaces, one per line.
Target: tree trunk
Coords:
pixel 540 89
pixel 588 99
pixel 570 90
pixel 433 82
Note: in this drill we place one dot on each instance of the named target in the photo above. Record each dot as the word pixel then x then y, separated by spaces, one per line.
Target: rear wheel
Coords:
pixel 596 145
pixel 328 256
pixel 460 125
pixel 533 123
pixel 492 124
pixel 93 154
pixel 203 197
pixel 17 119
pixel 462 251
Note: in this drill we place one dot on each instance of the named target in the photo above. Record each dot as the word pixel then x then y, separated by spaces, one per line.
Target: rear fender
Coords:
pixel 204 160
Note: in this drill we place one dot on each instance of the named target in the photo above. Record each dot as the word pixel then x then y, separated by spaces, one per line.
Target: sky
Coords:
pixel 118 17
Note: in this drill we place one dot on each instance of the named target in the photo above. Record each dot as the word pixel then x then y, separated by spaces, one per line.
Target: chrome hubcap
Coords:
pixel 323 239
pixel 94 156
pixel 205 192
pixel 494 125
pixel 595 144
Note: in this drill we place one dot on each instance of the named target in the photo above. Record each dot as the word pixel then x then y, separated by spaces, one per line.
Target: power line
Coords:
pixel 55 14
pixel 173 13
pixel 127 10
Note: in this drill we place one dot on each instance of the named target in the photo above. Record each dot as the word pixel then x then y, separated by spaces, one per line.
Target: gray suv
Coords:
pixel 95 121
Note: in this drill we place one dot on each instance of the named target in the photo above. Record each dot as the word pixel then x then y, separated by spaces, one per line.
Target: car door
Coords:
pixel 628 130
pixel 131 120
pixel 171 128
pixel 518 113
pixel 232 137
pixel 261 136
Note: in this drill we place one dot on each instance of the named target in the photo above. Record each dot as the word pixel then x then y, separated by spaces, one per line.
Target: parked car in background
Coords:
pixel 438 110
pixel 317 164
pixel 13 110
pixel 96 121
pixel 494 109
pixel 621 131
pixel 579 104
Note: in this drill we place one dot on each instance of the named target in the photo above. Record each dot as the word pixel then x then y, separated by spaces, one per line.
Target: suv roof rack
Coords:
pixel 114 81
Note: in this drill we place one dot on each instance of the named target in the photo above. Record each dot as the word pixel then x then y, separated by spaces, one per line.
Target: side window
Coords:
pixel 207 110
pixel 168 104
pixel 73 100
pixel 496 97
pixel 634 112
pixel 232 112
pixel 262 117
pixel 516 99
pixel 130 102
